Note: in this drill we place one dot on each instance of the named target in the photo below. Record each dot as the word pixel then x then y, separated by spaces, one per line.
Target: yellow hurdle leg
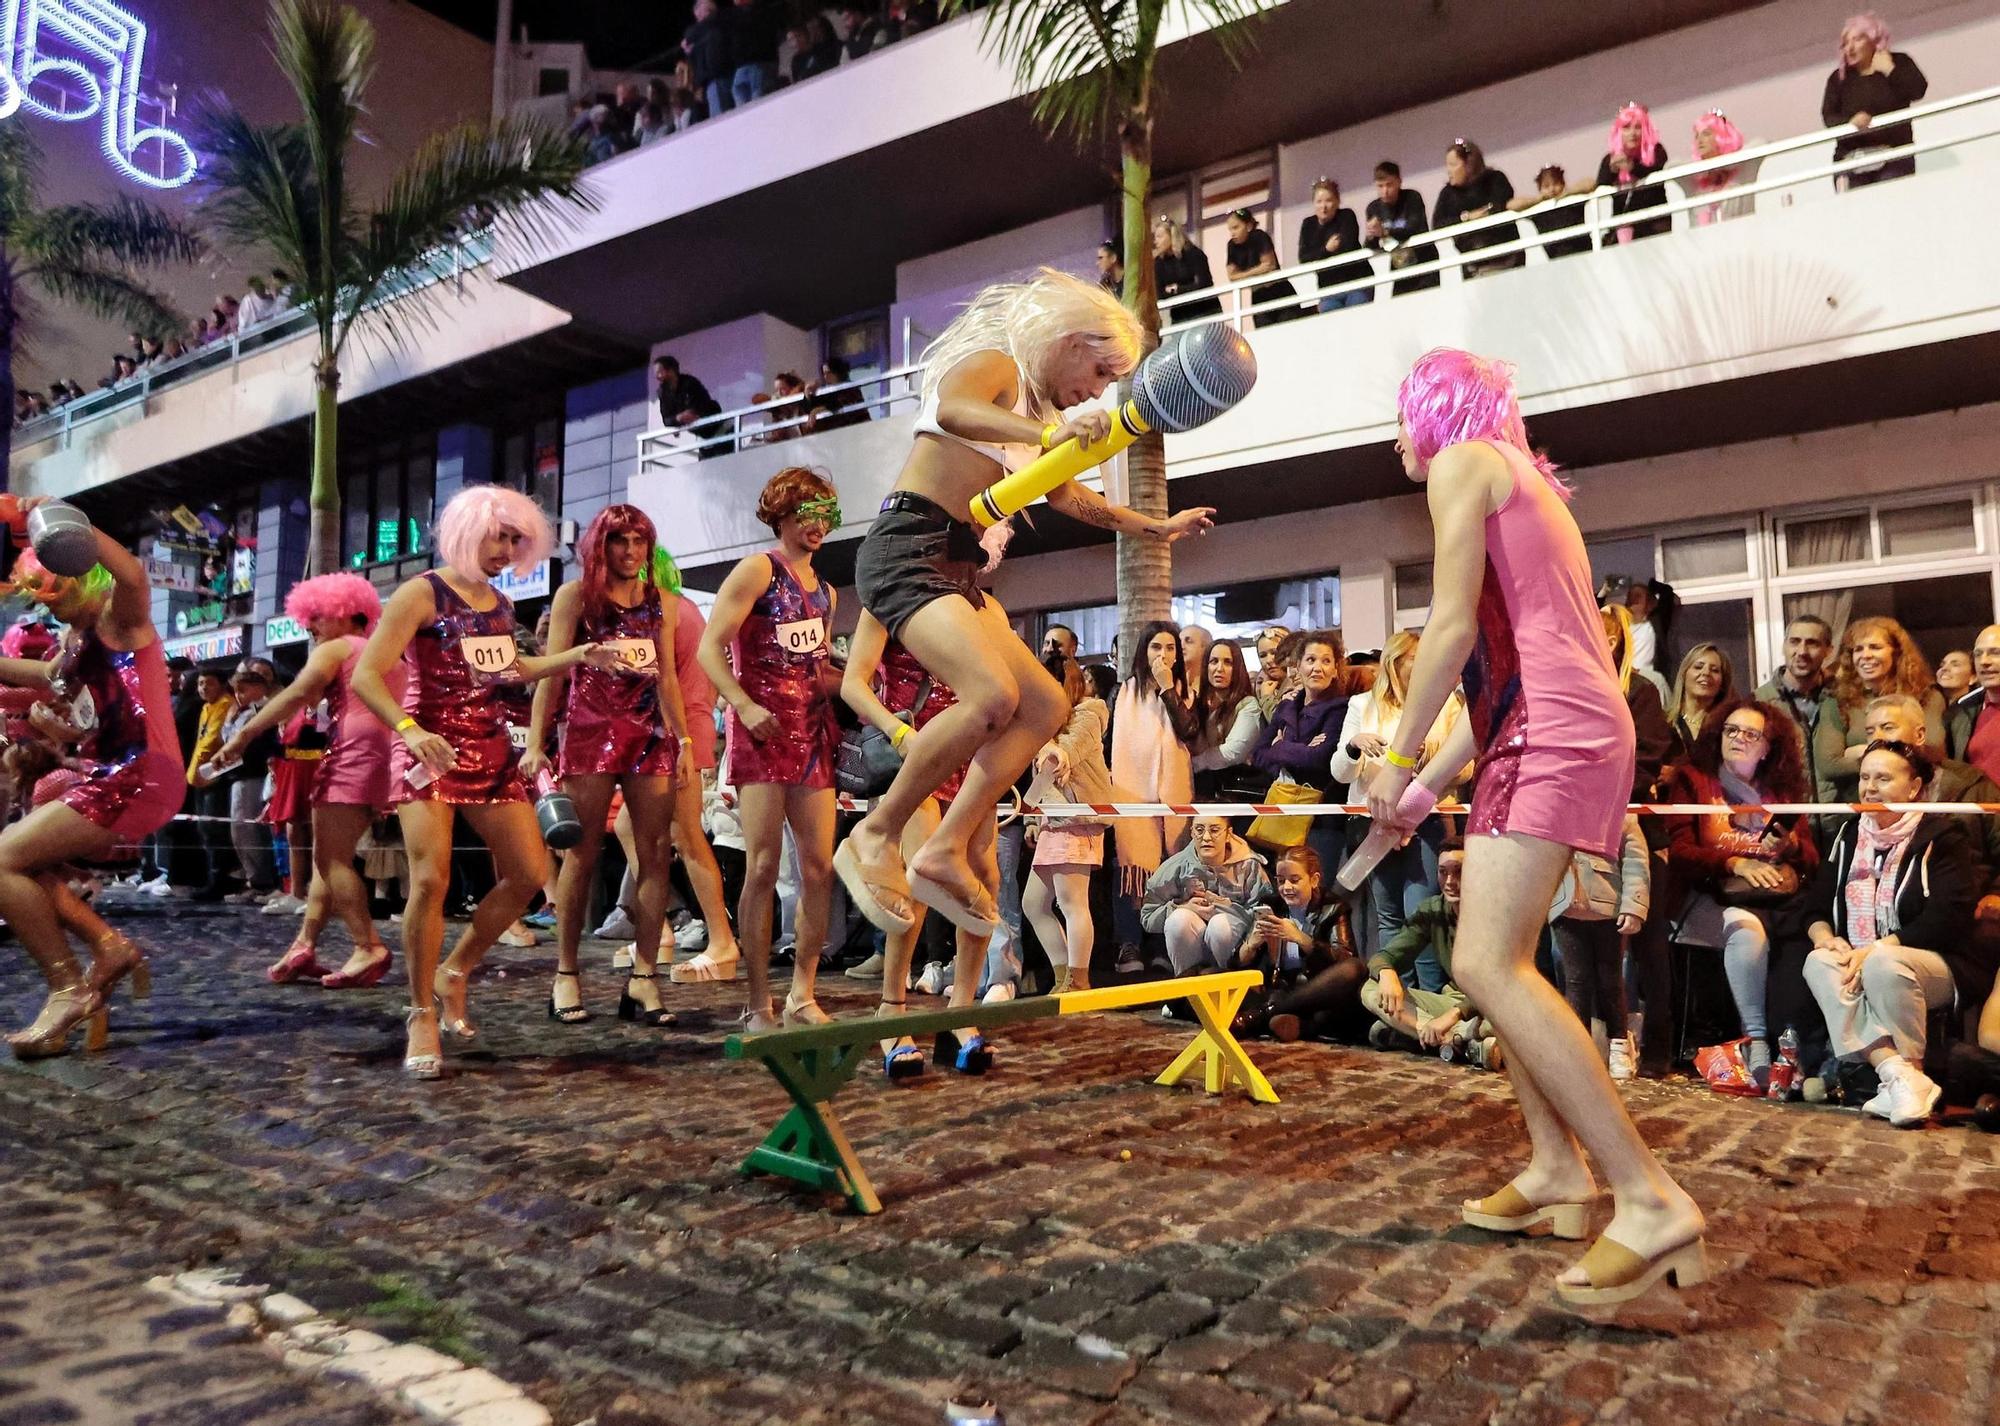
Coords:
pixel 1222 1056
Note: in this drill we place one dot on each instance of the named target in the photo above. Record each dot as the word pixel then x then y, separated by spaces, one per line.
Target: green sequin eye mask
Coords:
pixel 827 510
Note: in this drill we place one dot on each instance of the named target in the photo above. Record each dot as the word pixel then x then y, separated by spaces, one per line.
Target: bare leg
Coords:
pixel 50 836
pixel 699 859
pixel 520 865
pixel 299 836
pixel 1565 1092
pixel 900 947
pixel 592 796
pixel 337 829
pixel 427 829
pixel 649 807
pixel 761 812
pixel 811 813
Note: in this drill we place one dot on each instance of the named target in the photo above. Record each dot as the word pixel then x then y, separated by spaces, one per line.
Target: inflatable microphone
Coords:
pixel 59 533
pixel 1191 379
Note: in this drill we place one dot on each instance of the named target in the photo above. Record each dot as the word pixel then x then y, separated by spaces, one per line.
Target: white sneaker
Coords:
pixel 520 936
pixel 621 959
pixel 931 982
pixel 283 904
pixel 617 927
pixel 870 969
pixel 157 887
pixel 1622 1057
pixel 999 993
pixel 1912 1094
pixel 691 935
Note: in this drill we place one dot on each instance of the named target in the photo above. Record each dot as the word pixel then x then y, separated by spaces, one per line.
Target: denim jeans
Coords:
pixel 1347 299
pixel 753 81
pixel 721 99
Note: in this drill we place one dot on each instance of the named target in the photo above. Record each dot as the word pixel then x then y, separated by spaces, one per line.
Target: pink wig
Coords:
pixel 1649 137
pixel 1866 23
pixel 1728 138
pixel 335 596
pixel 1452 396
pixel 611 520
pixel 479 512
pixel 27 639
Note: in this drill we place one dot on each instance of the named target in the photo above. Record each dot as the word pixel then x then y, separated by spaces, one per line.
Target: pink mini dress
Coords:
pixel 697 692
pixel 1554 733
pixel 614 723
pixel 780 657
pixel 355 770
pixel 133 780
pixel 459 664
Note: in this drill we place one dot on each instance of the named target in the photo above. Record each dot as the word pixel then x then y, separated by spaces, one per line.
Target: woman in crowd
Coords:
pixel 1472 190
pixel 1069 852
pixel 995 385
pixel 1305 946
pixel 1299 742
pixel 718 959
pixel 1512 616
pixel 1251 252
pixel 887 688
pixel 1204 898
pixel 1153 728
pixel 1871 79
pixel 1954 675
pixel 1633 154
pixel 1600 905
pixel 767 650
pixel 1892 932
pixel 1654 738
pixel 352 788
pixel 1649 988
pixel 453 755
pixel 1230 721
pixel 1408 873
pixel 1732 869
pixel 624 731
pixel 131 787
pixel 1714 137
pixel 1179 267
pixel 1877 657
pixel 1703 682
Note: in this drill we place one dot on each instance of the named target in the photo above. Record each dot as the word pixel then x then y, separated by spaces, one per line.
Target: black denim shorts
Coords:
pixel 913 554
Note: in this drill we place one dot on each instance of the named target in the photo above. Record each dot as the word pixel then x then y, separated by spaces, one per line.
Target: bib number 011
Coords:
pixel 489 653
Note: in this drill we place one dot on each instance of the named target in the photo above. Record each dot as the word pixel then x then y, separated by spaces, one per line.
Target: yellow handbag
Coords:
pixel 1280 832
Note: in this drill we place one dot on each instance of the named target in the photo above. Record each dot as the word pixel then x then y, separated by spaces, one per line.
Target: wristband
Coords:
pixel 406 723
pixel 900 736
pixel 1047 432
pixel 1396 759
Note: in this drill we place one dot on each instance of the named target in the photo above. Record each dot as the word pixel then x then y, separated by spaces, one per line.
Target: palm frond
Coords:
pixel 20 176
pixel 326 52
pixel 124 231
pixel 258 190
pixel 111 293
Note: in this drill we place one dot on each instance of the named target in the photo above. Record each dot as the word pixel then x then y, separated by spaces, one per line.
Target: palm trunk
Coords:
pixel 1145 564
pixel 7 320
pixel 323 538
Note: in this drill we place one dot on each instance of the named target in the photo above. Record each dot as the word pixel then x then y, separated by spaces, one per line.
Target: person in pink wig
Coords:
pixel 1715 137
pixel 1633 153
pixel 1871 80
pixel 1513 617
pixel 625 730
pixel 352 787
pixel 451 753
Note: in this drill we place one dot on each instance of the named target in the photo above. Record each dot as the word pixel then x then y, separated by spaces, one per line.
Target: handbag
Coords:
pixel 1735 891
pixel 867 761
pixel 1270 830
pixel 1700 921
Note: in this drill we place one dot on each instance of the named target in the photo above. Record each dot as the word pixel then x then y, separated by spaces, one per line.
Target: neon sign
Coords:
pixel 71 60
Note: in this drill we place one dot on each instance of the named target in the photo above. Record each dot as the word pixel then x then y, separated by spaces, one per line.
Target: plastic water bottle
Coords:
pixel 1417 803
pixel 419 777
pixel 1785 1076
pixel 561 827
pixel 215 767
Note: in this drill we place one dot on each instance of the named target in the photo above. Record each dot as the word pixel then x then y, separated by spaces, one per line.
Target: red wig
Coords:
pixel 611 520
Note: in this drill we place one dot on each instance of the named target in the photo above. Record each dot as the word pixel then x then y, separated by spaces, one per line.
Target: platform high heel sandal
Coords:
pixel 631 1008
pixel 299 962
pixel 116 957
pixel 572 1014
pixel 902 1060
pixel 428 1066
pixel 62 1012
pixel 361 979
pixel 971 1055
pixel 1617 1274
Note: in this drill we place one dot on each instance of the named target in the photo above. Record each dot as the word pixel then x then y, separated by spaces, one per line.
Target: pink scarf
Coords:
pixel 1871 882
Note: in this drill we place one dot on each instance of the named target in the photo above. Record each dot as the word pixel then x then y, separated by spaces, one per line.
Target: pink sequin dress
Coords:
pixel 1554 733
pixel 458 666
pixel 355 770
pixel 133 779
pixel 780 658
pixel 896 684
pixel 615 724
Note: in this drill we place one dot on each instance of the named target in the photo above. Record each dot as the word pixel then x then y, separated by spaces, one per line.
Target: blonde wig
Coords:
pixel 1027 321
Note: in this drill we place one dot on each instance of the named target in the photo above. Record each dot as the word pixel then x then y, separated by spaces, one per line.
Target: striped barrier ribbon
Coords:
pixel 1316 809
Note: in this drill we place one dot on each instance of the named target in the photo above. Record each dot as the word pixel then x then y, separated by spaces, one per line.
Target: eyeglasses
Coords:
pixel 1743 732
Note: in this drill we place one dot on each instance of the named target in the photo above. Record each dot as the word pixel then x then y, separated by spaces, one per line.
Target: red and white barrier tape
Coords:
pixel 1316 809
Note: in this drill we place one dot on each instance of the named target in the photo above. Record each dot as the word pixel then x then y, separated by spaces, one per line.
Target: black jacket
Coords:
pixel 1848 94
pixel 1936 890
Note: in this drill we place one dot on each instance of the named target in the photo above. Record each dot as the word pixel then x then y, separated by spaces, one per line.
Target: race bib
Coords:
pixel 803 636
pixel 518 736
pixel 635 655
pixel 489 654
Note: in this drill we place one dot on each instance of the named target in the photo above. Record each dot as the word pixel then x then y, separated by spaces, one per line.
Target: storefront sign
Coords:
pixel 517 587
pixel 172 574
pixel 284 630
pixel 202 648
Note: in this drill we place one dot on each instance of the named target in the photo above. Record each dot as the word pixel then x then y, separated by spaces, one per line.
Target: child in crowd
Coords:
pixel 1599 904
pixel 1444 1020
pixel 1304 944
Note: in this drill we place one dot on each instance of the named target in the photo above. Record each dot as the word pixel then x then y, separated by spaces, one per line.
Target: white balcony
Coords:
pixel 1760 325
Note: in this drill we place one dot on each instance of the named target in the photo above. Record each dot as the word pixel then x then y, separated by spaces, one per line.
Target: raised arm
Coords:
pixel 1081 503
pixel 732 606
pixel 562 633
pixel 320 670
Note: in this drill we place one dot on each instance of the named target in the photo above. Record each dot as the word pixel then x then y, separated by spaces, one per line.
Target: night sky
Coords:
pixel 618 33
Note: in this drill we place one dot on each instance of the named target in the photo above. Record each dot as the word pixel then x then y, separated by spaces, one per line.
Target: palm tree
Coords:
pixel 284 189
pixel 1090 67
pixel 90 255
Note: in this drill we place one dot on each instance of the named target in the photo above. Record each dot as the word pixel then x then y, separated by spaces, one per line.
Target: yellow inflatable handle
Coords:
pixel 1043 474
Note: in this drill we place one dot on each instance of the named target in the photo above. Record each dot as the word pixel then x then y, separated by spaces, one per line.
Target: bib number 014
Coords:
pixel 802 636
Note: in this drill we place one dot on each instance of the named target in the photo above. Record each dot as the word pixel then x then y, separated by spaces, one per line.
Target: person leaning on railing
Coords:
pixel 1472 190
pixel 1392 218
pixel 1871 79
pixel 1179 267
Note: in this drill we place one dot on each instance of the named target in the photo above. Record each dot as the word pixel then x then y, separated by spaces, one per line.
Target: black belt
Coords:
pixel 908 502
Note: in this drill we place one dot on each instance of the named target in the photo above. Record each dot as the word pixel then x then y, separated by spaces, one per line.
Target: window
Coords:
pixel 1921 531
pixel 386 499
pixel 1826 540
pixel 1711 554
pixel 1413 588
pixel 1933 530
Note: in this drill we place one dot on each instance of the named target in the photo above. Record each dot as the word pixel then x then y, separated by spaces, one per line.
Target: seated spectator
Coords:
pixel 1204 899
pixel 1153 730
pixel 1877 657
pixel 1471 191
pixel 1733 869
pixel 602 139
pixel 1111 268
pixel 834 403
pixel 1304 945
pixel 1251 252
pixel 1231 721
pixel 1298 743
pixel 1704 681
pixel 821 52
pixel 1975 721
pixel 684 110
pixel 683 400
pixel 1179 267
pixel 1442 1020
pixel 1393 217
pixel 753 50
pixel 1892 934
pixel 654 120
pixel 1954 676
pixel 1549 215
pixel 1069 853
pixel 706 44
pixel 1633 154
pixel 1600 905
pixel 1326 232
pixel 1899 718
pixel 866 31
pixel 1871 79
pixel 1715 136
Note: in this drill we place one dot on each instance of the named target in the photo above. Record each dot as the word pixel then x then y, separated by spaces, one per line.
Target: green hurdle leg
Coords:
pixel 808 1144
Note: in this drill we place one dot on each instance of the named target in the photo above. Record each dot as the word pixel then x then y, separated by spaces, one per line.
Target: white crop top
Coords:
pixel 1007 457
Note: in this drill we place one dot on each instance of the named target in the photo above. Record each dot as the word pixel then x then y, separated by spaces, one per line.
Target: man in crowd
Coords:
pixel 706 44
pixel 1111 268
pixel 1801 683
pixel 1060 639
pixel 1440 1020
pixel 1972 726
pixel 836 408
pixel 1195 644
pixel 257 305
pixel 753 50
pixel 684 401
pixel 1392 218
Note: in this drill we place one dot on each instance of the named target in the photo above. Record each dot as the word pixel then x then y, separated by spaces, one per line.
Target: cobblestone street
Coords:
pixel 565 1210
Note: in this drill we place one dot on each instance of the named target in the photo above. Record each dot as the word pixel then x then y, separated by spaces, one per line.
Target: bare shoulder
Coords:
pixel 1470 470
pixel 989 375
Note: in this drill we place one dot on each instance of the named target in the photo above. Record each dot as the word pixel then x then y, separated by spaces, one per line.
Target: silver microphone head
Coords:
pixel 1195 376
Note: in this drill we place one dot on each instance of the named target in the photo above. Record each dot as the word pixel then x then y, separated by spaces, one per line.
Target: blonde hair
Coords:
pixel 1027 321
pixel 1391 687
pixel 1722 695
pixel 1176 235
pixel 1618 626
